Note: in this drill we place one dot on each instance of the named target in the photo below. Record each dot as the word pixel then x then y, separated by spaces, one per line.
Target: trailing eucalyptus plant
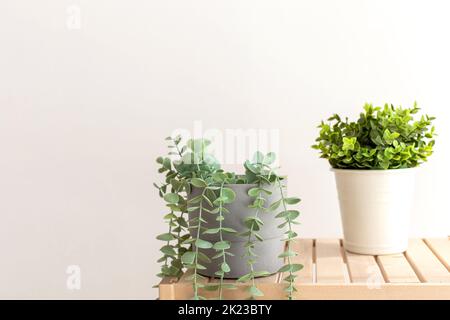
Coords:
pixel 263 175
pixel 196 171
pixel 382 138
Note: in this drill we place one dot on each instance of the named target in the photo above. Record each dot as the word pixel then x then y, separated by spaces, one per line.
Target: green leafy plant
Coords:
pixel 289 217
pixel 195 169
pixel 260 172
pixel 257 172
pixel 382 138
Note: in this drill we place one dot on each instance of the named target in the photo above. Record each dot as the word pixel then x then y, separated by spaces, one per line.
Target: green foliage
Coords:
pixel 195 168
pixel 289 219
pixel 259 172
pixel 172 198
pixel 382 138
pixel 172 191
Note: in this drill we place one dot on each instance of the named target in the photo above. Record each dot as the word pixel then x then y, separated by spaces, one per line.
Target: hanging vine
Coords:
pixel 289 217
pixel 196 186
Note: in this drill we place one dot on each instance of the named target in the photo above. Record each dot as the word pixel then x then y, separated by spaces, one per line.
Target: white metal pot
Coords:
pixel 375 209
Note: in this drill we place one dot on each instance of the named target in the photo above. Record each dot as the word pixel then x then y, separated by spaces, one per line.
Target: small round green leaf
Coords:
pixel 171 198
pixel 211 231
pixel 225 267
pixel 254 192
pixel 168 250
pixel 229 195
pixel 199 183
pixel 221 245
pixel 188 257
pixel 203 244
pixel 288 214
pixel 245 278
pixel 166 237
pixel 292 201
pixel 269 158
pixel 228 230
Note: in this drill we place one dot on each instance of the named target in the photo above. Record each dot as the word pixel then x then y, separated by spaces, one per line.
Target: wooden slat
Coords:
pixel 359 291
pixel 425 260
pixel 354 291
pixel 396 269
pixel 304 248
pixel 167 288
pixel 425 263
pixel 330 267
pixel 363 269
pixel 441 248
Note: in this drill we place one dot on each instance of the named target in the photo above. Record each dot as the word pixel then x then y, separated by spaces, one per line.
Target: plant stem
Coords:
pixel 195 284
pixel 179 244
pixel 179 151
pixel 179 237
pixel 249 241
pixel 170 231
pixel 252 244
pixel 221 239
pixel 290 297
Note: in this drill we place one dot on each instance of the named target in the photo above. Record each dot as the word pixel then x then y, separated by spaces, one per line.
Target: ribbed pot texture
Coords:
pixel 375 209
pixel 267 251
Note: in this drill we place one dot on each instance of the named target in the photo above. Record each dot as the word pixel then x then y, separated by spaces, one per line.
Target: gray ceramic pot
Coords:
pixel 267 251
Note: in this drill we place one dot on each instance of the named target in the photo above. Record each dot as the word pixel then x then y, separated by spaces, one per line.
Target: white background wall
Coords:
pixel 84 113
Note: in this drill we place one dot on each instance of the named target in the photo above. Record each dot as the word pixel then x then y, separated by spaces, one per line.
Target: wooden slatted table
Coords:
pixel 423 272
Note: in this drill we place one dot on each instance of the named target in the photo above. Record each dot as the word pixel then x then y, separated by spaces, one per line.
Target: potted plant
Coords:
pixel 225 225
pixel 374 160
